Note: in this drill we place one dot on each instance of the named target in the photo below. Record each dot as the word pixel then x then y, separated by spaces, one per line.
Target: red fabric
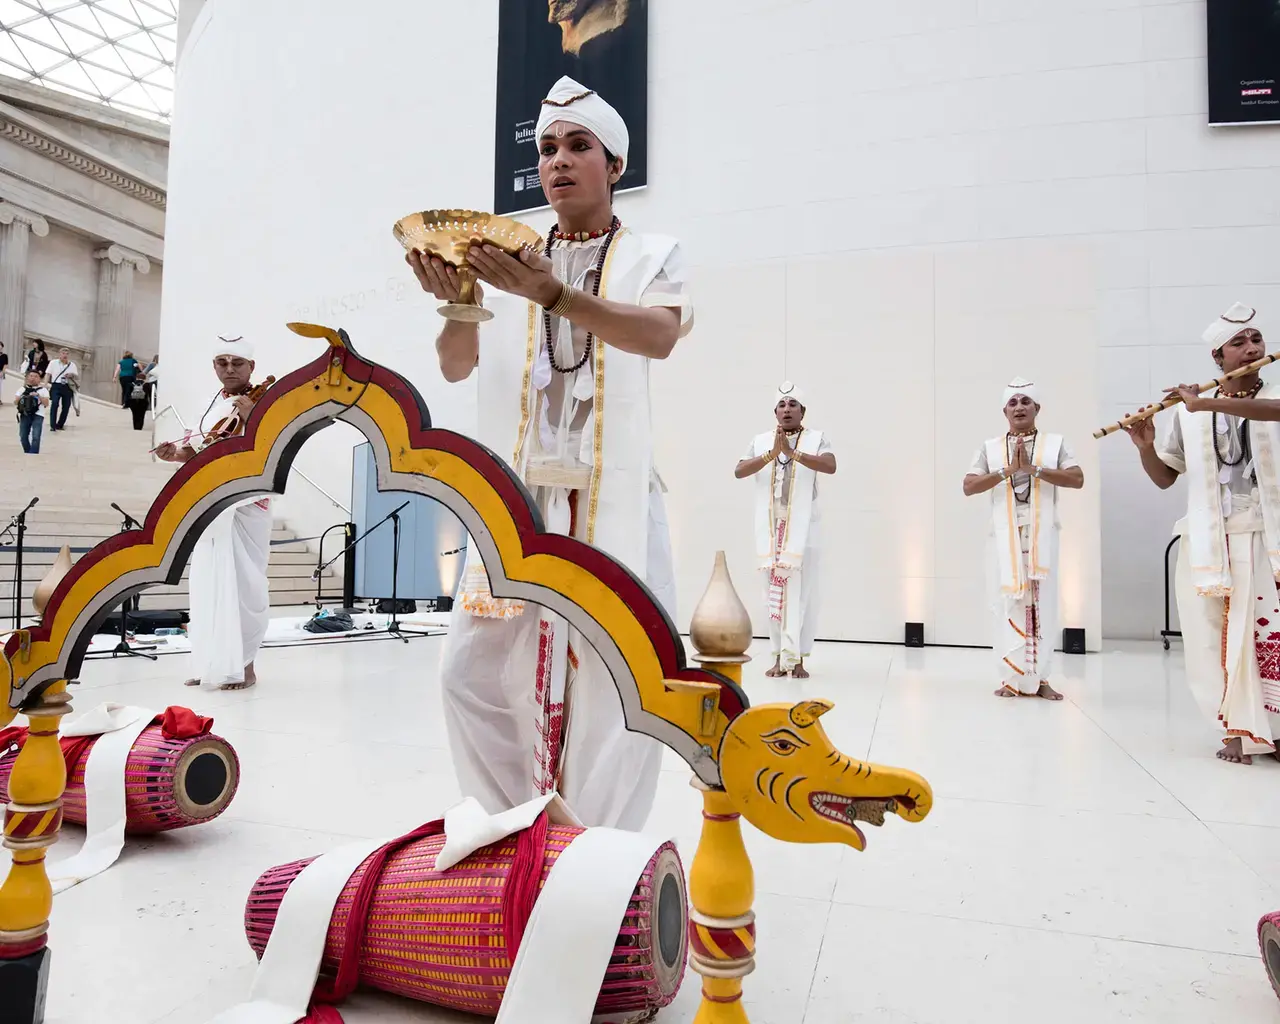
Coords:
pixel 73 747
pixel 522 884
pixel 517 905
pixel 179 723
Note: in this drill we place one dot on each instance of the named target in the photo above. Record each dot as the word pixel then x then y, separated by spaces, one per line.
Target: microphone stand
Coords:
pixel 138 650
pixel 393 627
pixel 19 523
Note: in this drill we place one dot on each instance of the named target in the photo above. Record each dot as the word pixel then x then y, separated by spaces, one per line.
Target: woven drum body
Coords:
pixel 1269 940
pixel 168 784
pixel 437 937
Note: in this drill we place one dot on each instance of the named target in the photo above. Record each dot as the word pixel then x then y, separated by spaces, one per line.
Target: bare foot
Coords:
pixel 1231 751
pixel 244 685
pixel 1006 691
pixel 192 682
pixel 1048 692
pixel 776 671
pixel 799 671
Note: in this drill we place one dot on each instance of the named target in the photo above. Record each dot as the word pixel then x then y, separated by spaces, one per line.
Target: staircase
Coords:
pixel 97 460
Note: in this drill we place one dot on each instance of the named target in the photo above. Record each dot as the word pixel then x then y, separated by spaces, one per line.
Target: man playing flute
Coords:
pixel 1023 470
pixel 1227 445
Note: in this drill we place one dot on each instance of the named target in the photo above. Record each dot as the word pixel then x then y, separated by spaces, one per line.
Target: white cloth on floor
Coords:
pixel 118 727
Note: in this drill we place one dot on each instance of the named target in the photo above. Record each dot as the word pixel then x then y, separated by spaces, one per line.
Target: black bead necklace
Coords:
pixel 1244 430
pixel 595 290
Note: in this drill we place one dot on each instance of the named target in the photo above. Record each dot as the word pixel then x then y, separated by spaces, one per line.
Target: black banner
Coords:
pixel 1244 61
pixel 604 44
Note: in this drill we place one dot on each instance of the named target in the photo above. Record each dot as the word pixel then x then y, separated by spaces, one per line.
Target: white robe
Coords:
pixel 230 600
pixel 1228 605
pixel 788 528
pixel 528 705
pixel 1022 563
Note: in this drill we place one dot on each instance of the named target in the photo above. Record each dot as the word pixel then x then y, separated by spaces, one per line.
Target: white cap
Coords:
pixel 573 102
pixel 236 347
pixel 1235 320
pixel 788 390
pixel 1020 386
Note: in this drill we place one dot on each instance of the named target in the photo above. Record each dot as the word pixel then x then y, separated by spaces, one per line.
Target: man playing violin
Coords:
pixel 1227 446
pixel 230 602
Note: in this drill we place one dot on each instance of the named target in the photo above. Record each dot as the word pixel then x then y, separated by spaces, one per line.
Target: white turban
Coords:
pixel 788 390
pixel 1020 386
pixel 1236 319
pixel 575 103
pixel 235 347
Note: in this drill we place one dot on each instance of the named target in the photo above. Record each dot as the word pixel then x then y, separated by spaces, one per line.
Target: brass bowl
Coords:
pixel 448 234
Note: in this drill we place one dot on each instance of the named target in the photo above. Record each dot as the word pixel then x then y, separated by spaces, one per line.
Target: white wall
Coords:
pixel 899 205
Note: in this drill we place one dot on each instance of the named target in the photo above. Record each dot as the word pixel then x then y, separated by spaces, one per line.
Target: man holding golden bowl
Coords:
pixel 564 386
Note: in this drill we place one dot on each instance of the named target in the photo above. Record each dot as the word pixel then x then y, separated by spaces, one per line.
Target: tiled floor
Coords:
pixel 1086 861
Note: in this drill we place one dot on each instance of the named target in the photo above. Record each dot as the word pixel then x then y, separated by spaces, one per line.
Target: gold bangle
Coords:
pixel 561 306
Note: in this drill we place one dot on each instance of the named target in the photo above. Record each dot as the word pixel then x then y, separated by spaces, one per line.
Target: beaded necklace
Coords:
pixel 595 291
pixel 579 236
pixel 1244 429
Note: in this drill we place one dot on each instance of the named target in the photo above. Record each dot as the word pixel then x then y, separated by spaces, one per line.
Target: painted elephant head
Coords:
pixel 784 776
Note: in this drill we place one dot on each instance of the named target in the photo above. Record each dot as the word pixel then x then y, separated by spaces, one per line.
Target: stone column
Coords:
pixel 16 227
pixel 113 316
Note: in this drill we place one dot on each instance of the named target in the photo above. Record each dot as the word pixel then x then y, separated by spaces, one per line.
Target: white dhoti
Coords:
pixel 1025 625
pixel 230 600
pixel 791 597
pixel 494 672
pixel 1232 644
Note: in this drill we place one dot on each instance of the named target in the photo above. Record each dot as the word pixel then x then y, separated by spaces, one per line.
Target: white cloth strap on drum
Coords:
pixel 574 927
pixel 286 976
pixel 118 727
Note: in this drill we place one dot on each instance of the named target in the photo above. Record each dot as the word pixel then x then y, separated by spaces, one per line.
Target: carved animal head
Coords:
pixel 785 777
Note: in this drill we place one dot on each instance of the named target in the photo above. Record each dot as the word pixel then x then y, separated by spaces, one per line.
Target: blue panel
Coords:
pixel 427 531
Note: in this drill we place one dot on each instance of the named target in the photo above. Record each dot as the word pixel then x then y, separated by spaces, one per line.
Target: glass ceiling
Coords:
pixel 117 52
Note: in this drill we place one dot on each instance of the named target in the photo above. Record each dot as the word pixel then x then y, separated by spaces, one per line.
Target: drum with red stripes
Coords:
pixel 168 783
pixel 438 937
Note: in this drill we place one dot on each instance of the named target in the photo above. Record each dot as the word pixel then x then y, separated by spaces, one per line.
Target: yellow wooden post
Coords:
pixel 722 930
pixel 32 821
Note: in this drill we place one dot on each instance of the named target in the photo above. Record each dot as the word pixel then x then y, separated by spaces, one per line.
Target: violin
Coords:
pixel 230 424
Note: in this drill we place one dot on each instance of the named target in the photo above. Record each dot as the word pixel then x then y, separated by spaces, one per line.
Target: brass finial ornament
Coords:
pixel 448 234
pixel 720 628
pixel 45 588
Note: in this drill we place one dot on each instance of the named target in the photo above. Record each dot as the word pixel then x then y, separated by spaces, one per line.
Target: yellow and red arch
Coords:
pixel 686 708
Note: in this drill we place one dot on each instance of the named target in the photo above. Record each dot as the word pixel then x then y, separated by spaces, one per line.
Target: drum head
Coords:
pixel 205 779
pixel 671 921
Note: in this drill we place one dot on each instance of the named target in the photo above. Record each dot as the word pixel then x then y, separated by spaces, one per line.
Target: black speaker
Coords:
pixel 913 634
pixel 1073 641
pixel 444 604
pixel 145 622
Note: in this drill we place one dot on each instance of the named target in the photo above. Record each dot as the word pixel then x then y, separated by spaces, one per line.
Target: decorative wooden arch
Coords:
pixel 602 599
